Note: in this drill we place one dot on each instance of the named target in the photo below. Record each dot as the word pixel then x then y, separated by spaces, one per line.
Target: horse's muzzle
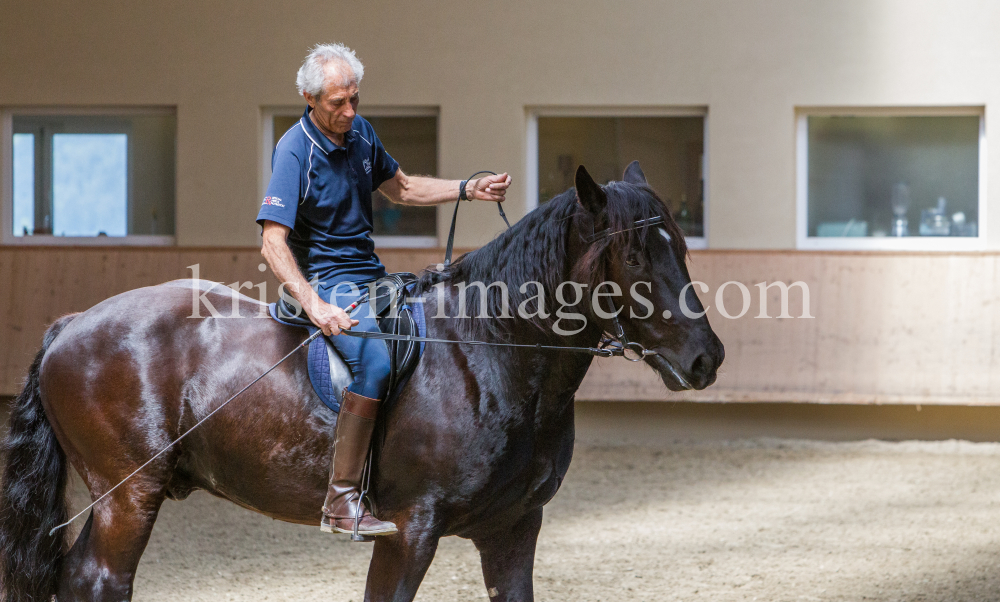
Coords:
pixel 701 374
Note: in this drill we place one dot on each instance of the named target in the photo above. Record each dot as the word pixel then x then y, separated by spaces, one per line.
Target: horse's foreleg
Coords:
pixel 101 564
pixel 399 563
pixel 508 557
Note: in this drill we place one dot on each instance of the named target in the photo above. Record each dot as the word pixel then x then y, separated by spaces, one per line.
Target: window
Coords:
pixel 669 144
pixel 410 136
pixel 891 179
pixel 103 177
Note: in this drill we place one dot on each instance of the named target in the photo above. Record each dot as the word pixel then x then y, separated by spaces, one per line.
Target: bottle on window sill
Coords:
pixel 961 227
pixel 934 222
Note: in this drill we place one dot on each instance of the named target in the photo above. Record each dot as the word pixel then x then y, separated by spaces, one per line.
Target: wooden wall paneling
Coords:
pixel 888 328
pixel 11 323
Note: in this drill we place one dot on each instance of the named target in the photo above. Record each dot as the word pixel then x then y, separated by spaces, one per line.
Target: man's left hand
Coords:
pixel 490 188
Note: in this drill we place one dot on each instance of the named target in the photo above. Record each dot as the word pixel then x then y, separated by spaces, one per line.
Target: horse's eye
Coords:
pixel 632 261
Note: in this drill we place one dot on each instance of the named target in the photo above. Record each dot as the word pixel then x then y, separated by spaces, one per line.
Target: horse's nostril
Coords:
pixel 702 366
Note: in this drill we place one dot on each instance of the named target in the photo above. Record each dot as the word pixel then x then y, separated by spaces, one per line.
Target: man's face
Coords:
pixel 334 110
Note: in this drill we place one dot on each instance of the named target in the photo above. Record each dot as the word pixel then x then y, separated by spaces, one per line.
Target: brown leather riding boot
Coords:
pixel 353 437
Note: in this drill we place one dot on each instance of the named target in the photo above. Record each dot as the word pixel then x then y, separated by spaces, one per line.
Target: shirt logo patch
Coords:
pixel 272 201
pixel 368 165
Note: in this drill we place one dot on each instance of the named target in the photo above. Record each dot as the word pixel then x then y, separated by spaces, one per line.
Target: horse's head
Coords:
pixel 647 263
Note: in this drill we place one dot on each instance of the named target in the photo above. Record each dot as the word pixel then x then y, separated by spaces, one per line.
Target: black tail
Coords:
pixel 32 495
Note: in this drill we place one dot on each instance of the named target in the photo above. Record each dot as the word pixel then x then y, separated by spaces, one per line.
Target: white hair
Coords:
pixel 312 75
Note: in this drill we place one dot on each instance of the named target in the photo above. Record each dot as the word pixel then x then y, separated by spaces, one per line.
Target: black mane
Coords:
pixel 535 249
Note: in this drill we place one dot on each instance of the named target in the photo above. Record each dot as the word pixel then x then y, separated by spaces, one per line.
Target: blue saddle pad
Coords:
pixel 318 360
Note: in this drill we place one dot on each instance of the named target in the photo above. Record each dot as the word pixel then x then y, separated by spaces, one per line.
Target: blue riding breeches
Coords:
pixel 368 358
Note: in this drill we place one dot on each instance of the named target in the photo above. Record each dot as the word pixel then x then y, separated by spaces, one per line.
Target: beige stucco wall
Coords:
pixel 751 62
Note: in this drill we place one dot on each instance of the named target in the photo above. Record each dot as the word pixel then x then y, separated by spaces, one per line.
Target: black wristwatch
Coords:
pixel 462 196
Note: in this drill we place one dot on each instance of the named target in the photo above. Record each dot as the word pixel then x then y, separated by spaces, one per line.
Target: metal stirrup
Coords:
pixel 359 511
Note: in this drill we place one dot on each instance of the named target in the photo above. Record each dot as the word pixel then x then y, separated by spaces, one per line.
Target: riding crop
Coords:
pixel 304 343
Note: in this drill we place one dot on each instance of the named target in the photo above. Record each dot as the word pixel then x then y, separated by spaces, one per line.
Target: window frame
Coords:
pixel 7 237
pixel 268 114
pixel 888 243
pixel 532 114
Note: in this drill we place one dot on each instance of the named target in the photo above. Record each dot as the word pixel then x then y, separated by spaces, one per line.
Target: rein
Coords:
pixel 616 345
pixel 454 217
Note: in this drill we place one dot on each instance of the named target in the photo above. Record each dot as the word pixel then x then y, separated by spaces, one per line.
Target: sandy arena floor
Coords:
pixel 760 520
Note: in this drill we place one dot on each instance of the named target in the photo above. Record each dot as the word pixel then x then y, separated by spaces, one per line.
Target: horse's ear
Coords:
pixel 633 174
pixel 590 194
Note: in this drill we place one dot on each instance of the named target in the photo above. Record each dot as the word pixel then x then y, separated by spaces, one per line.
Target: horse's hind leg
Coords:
pixel 101 564
pixel 508 557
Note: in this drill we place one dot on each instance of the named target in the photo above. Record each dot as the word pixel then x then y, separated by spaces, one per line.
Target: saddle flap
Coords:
pixel 403 354
pixel 288 310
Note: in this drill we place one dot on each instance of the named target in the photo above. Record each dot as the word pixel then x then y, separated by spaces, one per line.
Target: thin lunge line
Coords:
pixel 304 343
pixel 310 339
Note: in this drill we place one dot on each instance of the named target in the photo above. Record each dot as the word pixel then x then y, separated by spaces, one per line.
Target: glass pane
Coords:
pixel 89 184
pixel 152 146
pixel 412 141
pixel 893 176
pixel 670 150
pixel 281 124
pixel 24 184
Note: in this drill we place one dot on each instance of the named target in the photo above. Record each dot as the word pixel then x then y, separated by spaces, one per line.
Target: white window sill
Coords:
pixel 696 242
pixel 907 243
pixel 405 242
pixel 47 240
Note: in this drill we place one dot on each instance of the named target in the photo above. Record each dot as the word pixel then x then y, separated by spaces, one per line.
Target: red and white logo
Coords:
pixel 272 201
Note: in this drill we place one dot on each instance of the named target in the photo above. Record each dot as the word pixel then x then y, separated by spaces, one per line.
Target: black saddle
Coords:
pixel 394 317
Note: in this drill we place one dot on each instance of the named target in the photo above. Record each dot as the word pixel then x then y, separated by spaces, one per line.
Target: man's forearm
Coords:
pixel 420 190
pixel 279 257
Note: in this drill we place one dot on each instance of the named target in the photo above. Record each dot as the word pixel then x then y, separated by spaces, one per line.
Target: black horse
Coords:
pixel 476 443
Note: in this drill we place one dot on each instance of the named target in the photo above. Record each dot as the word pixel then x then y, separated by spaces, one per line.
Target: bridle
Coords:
pixel 618 341
pixel 616 344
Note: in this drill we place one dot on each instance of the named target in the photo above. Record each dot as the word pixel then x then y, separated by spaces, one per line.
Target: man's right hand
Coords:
pixel 329 318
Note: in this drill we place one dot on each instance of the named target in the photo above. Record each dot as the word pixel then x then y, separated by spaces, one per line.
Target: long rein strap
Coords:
pixel 596 351
pixel 447 261
pixel 454 218
pixel 610 347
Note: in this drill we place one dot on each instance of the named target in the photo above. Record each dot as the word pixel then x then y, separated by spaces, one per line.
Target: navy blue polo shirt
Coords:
pixel 323 192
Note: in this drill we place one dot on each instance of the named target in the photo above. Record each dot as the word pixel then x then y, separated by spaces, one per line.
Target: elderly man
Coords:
pixel 317 226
